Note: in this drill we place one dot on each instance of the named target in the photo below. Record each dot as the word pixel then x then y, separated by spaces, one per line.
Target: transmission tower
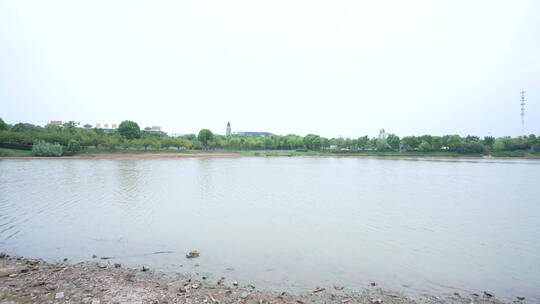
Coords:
pixel 522 99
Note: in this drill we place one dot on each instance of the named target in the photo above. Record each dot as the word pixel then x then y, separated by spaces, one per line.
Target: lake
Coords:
pixel 280 223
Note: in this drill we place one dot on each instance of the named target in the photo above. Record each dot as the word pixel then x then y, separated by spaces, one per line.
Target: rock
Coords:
pixel 338 287
pixel 195 286
pixel 373 284
pixel 117 265
pixel 192 254
pixel 345 301
pixel 3 255
pixel 487 294
pixel 376 301
pixel 475 294
pixel 182 290
pixel 24 270
pixel 145 268
pixel 220 281
pixel 59 295
pixel 235 283
pixel 94 256
pixel 319 289
pixel 36 284
pixel 32 262
pixel 95 301
pixel 106 258
pixel 300 302
pixel 102 266
pixel 65 259
pixel 244 295
pixel 6 271
pixel 521 298
pixel 204 277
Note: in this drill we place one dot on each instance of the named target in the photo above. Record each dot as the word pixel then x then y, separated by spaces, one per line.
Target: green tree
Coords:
pixel 312 142
pixel 129 129
pixel 410 142
pixel 424 146
pixel 3 126
pixel 504 144
pixel 393 141
pixel 112 142
pixel 205 136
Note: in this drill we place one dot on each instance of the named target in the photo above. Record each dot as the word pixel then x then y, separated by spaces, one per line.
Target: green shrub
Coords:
pixel 43 148
pixel 73 147
pixel 508 153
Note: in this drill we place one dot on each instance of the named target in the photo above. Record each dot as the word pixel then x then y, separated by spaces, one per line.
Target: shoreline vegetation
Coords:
pixel 93 153
pixel 68 139
pixel 24 280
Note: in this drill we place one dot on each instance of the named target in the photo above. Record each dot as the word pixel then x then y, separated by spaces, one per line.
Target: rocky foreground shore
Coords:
pixel 34 281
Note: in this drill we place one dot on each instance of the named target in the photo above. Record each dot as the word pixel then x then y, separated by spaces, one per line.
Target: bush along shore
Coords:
pixel 70 139
pixel 25 280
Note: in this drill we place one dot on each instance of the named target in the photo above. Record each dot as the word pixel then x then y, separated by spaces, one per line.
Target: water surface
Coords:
pixel 415 225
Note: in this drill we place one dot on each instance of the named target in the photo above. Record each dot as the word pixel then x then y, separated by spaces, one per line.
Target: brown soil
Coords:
pixel 34 281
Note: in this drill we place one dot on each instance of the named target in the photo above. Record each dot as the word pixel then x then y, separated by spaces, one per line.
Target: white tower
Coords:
pixel 523 99
pixel 228 129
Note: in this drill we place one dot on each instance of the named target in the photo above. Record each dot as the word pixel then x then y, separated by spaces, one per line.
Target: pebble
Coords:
pixel 117 265
pixel 195 286
pixel 235 283
pixel 487 294
pixel 95 301
pixel 3 255
pixel 59 295
pixel 339 287
pixel 376 301
pixel 521 298
pixel 319 289
pixel 102 266
pixel 373 284
pixel 244 295
pixel 145 268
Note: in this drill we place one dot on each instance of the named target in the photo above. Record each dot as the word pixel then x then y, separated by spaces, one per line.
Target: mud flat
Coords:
pixel 34 281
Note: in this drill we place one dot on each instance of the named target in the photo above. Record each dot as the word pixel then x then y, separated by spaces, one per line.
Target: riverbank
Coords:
pixel 33 281
pixel 105 154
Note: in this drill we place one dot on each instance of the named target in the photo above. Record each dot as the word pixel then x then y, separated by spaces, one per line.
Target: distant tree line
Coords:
pixel 129 136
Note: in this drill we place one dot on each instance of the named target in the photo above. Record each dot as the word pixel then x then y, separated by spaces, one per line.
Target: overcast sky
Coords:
pixel 334 68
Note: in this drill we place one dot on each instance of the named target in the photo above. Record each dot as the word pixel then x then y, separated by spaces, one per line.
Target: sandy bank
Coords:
pixel 34 281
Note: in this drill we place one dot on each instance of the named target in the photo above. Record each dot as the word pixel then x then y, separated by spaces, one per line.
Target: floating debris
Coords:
pixel 521 298
pixel 145 268
pixel 373 284
pixel 336 287
pixel 192 254
pixel 487 294
pixel 117 265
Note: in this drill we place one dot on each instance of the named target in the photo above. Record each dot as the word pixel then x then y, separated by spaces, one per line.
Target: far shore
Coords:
pixel 237 154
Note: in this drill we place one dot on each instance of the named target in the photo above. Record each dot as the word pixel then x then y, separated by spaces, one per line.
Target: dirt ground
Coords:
pixel 34 281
